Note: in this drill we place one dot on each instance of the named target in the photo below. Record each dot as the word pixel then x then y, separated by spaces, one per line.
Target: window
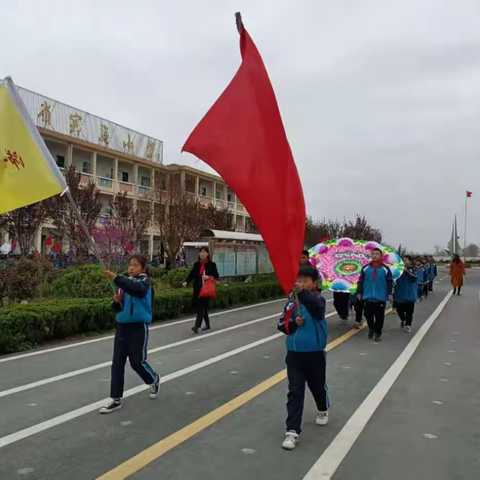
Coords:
pixel 61 161
pixel 125 177
pixel 86 168
pixel 145 181
pixel 204 191
pixel 229 197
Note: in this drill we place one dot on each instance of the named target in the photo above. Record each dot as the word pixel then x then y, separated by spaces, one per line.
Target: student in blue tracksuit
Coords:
pixel 406 294
pixel 134 305
pixel 375 288
pixel 422 278
pixel 426 266
pixel 306 358
pixel 433 273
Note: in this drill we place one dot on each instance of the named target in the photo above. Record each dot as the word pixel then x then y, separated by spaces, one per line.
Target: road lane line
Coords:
pixel 335 453
pixel 29 431
pixel 153 327
pixel 154 452
pixel 98 366
pixel 66 417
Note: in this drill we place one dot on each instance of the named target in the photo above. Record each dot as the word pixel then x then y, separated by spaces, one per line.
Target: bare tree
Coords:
pixel 62 213
pixel 361 229
pixel 250 226
pixel 218 219
pixel 471 250
pixel 130 218
pixel 180 217
pixel 358 229
pixel 23 225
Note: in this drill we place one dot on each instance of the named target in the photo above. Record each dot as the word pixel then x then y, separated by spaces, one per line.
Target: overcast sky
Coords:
pixel 380 98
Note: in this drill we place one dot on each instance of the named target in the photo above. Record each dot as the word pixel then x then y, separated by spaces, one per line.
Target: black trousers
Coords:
pixel 420 290
pixel 375 313
pixel 405 312
pixel 131 341
pixel 359 307
pixel 430 285
pixel 202 305
pixel 305 368
pixel 341 302
pixel 425 289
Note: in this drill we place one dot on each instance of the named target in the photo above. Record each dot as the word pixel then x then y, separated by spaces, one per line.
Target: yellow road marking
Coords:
pixel 154 452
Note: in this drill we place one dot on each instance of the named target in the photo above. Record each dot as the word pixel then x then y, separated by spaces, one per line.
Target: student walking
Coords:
pixel 406 294
pixel 433 273
pixel 203 271
pixel 426 266
pixel 341 303
pixel 134 306
pixel 457 272
pixel 306 360
pixel 375 288
pixel 421 278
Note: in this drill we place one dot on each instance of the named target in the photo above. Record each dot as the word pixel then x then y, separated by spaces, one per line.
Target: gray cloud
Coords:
pixel 379 99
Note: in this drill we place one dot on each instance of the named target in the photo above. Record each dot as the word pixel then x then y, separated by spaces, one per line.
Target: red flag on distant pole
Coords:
pixel 469 194
pixel 242 137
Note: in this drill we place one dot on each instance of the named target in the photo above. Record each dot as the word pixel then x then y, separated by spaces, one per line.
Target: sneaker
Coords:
pixel 115 404
pixel 205 328
pixel 291 440
pixel 155 387
pixel 377 338
pixel 195 330
pixel 370 334
pixel 322 419
pixel 358 325
pixel 402 324
pixel 408 329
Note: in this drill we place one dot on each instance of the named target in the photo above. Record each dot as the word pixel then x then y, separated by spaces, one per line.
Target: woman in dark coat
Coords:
pixel 203 270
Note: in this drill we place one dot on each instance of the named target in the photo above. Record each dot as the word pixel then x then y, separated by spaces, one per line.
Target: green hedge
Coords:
pixel 25 326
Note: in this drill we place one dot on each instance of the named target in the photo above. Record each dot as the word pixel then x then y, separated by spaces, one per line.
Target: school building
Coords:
pixel 118 159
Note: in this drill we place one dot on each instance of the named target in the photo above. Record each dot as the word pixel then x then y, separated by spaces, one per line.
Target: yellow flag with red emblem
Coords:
pixel 28 173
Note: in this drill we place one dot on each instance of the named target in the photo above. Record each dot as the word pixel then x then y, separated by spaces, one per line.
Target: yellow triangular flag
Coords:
pixel 28 173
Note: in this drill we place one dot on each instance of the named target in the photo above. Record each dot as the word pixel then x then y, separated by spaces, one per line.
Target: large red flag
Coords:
pixel 242 137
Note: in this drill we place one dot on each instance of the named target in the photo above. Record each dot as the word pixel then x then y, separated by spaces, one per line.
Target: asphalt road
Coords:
pixel 407 407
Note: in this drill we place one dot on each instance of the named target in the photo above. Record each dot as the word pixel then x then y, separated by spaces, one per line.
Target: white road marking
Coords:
pixel 447 363
pixel 437 402
pixel 444 379
pixel 451 351
pixel 23 472
pixel 126 423
pixel 154 327
pixel 99 366
pixel 248 451
pixel 430 436
pixel 66 417
pixel 332 457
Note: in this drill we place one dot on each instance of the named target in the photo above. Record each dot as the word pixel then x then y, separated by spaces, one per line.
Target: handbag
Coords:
pixel 208 289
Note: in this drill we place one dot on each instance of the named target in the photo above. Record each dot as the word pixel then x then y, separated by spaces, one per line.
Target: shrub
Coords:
pixel 86 281
pixel 25 326
pixel 21 280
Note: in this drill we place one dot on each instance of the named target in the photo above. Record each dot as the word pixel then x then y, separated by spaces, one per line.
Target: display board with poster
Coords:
pixel 264 262
pixel 246 260
pixel 224 257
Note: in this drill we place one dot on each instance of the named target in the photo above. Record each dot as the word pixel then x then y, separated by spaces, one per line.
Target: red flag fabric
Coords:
pixel 469 194
pixel 242 137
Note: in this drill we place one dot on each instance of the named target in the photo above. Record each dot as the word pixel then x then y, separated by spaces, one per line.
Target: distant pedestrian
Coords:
pixel 305 259
pixel 202 271
pixel 457 272
pixel 306 360
pixel 406 294
pixel 134 307
pixel 433 273
pixel 375 288
pixel 422 278
pixel 426 286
